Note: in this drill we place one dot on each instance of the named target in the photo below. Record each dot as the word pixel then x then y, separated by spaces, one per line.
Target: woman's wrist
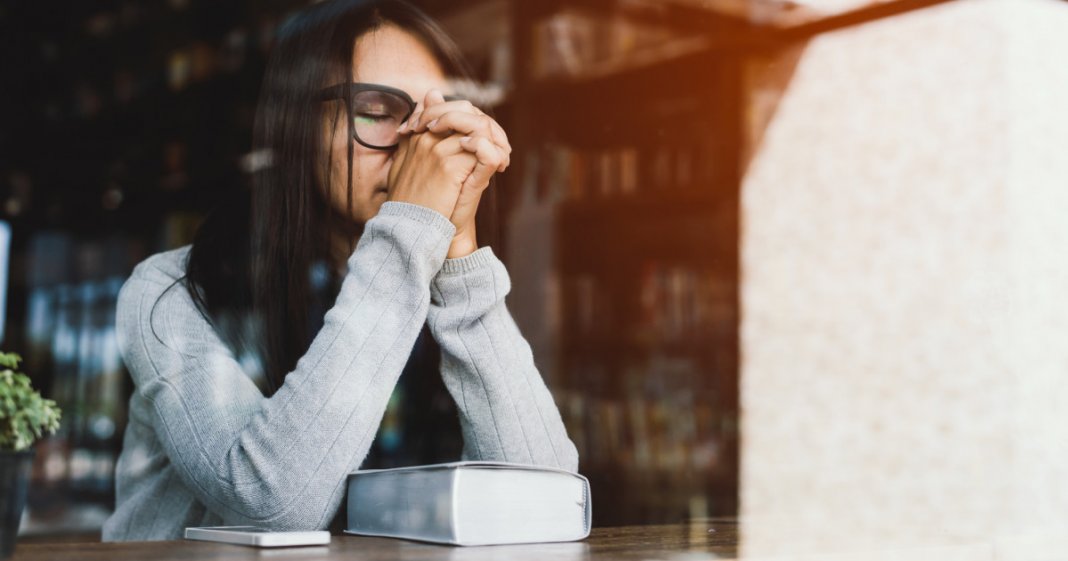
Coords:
pixel 462 246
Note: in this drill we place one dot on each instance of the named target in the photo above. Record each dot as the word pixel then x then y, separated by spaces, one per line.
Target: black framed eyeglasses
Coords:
pixel 376 110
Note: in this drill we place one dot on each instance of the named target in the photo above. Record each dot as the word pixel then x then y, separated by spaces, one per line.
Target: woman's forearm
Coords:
pixel 282 461
pixel 506 411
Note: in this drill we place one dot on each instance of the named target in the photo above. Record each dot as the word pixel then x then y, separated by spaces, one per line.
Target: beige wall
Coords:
pixel 905 286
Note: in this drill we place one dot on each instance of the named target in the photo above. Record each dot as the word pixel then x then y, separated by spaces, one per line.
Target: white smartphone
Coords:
pixel 255 536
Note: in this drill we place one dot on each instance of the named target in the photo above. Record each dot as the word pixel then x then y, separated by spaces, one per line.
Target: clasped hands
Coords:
pixel 447 154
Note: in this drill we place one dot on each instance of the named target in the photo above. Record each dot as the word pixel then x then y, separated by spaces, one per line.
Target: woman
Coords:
pixel 247 412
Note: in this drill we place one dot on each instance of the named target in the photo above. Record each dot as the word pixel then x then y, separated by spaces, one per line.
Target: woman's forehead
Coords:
pixel 393 57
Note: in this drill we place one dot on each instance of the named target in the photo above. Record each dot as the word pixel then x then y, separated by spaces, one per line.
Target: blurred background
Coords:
pixel 634 123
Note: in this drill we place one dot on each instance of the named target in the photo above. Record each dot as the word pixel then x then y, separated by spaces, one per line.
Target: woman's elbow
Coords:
pixel 266 496
pixel 299 516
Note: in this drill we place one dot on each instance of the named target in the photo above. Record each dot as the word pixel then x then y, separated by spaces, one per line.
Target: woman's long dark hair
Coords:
pixel 250 264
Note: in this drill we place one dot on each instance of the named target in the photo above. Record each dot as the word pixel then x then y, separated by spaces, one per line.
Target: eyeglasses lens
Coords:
pixel 376 116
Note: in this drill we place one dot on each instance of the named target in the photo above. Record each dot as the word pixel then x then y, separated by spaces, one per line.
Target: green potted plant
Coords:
pixel 24 417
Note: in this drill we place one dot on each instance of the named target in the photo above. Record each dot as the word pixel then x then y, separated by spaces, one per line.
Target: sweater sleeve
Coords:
pixel 282 461
pixel 506 411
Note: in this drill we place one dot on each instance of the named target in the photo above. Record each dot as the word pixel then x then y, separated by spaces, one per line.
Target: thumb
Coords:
pixel 433 97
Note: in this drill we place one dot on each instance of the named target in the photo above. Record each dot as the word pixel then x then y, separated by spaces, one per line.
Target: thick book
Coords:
pixel 470 503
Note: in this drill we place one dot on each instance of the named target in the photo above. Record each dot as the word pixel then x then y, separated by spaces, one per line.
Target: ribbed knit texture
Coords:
pixel 203 446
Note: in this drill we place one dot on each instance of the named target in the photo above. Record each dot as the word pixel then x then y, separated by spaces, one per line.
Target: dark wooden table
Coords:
pixel 704 539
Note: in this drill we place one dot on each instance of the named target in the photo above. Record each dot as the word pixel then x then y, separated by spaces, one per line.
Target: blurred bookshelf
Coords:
pixel 131 119
pixel 628 131
pixel 630 125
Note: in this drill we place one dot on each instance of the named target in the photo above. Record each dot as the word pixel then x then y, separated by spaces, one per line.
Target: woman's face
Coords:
pixel 388 56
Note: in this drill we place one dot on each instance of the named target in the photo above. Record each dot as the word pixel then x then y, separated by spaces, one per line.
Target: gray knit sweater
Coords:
pixel 204 446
